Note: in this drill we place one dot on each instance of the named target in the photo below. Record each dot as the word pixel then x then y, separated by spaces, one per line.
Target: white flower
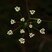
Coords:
pixel 12 21
pixel 22 19
pixel 42 31
pixel 30 25
pixel 39 21
pixel 31 35
pixel 17 9
pixel 22 40
pixel 22 31
pixel 10 32
pixel 32 12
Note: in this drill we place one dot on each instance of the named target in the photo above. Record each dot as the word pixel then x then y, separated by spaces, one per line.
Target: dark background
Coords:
pixel 39 43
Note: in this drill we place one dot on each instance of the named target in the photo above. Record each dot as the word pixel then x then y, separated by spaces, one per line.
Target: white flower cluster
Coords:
pixel 22 40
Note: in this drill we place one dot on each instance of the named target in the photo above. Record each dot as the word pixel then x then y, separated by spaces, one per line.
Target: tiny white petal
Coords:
pixel 22 40
pixel 42 31
pixel 31 35
pixel 30 25
pixel 22 19
pixel 22 31
pixel 39 21
pixel 32 12
pixel 17 9
pixel 10 32
pixel 12 21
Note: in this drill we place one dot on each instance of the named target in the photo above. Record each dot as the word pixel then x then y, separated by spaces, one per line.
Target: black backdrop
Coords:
pixel 39 43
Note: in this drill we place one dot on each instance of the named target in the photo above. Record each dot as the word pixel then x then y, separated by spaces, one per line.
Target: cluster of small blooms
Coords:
pixel 22 40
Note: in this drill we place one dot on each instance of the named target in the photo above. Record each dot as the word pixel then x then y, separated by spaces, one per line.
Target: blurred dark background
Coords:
pixel 39 43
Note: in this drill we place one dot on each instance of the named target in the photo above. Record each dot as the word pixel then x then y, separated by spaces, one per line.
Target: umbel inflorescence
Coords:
pixel 27 24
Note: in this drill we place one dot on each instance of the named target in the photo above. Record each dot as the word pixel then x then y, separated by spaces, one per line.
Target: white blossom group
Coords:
pixel 39 21
pixel 42 31
pixel 17 9
pixel 22 40
pixel 22 31
pixel 31 35
pixel 10 32
pixel 32 12
pixel 12 21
